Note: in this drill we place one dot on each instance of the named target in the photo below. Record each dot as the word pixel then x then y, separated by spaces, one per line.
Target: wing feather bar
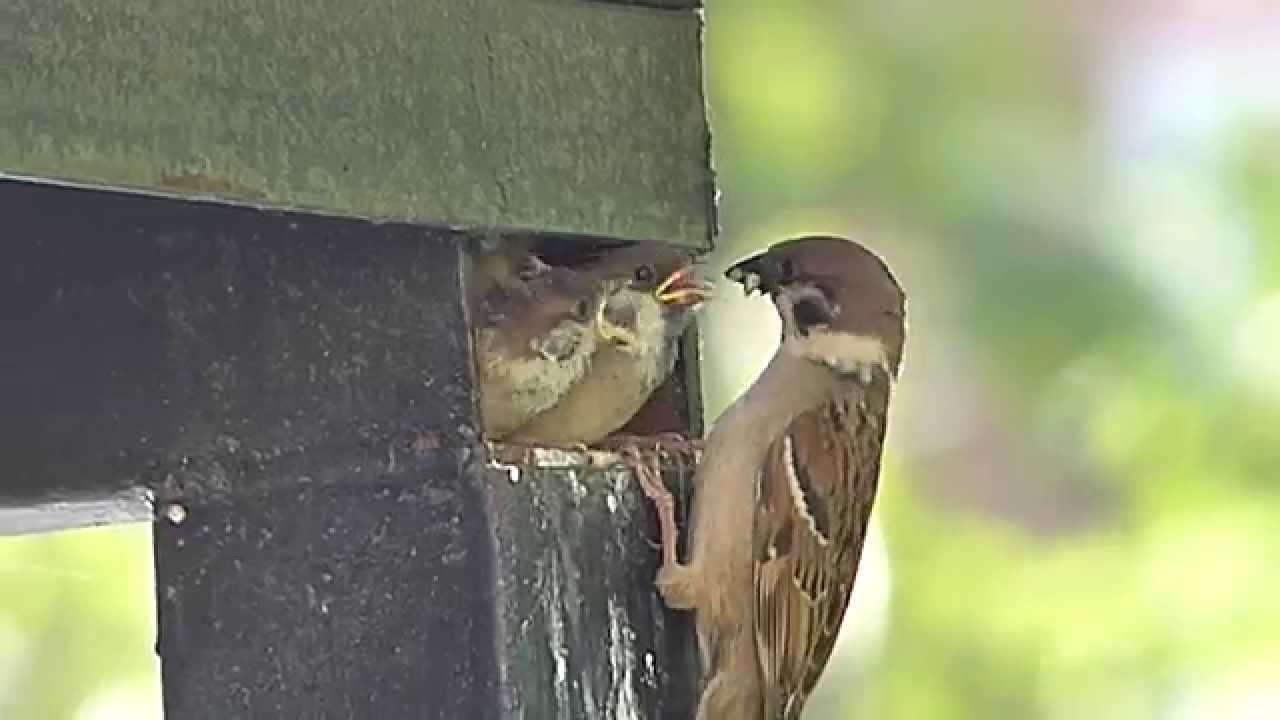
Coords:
pixel 817 488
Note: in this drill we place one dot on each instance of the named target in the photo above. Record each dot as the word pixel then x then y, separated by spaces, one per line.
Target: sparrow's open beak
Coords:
pixel 753 274
pixel 685 286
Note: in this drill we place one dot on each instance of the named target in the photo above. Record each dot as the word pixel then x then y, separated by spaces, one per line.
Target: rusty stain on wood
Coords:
pixel 197 183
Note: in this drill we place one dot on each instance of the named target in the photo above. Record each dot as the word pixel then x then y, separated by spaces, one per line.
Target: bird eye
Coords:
pixel 644 274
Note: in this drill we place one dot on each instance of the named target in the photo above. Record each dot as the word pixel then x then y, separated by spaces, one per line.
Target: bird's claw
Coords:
pixel 621 443
pixel 649 475
pixel 671 443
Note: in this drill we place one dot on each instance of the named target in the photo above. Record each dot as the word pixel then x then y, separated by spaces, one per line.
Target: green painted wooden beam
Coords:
pixel 579 117
pixel 655 3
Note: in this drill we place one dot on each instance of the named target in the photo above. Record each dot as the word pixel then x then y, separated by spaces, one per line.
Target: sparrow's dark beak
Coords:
pixel 685 286
pixel 756 273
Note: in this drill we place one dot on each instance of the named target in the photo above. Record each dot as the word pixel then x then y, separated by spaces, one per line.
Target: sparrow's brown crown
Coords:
pixel 650 290
pixel 838 300
pixel 665 271
pixel 554 308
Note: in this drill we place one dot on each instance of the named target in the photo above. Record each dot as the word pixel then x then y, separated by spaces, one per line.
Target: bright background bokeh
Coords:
pixel 1080 513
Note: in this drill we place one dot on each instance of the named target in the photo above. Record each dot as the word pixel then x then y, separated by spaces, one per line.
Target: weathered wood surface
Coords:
pixel 586 636
pixel 585 117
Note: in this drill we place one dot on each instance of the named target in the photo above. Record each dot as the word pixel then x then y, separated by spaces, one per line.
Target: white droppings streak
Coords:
pixel 579 489
pixel 512 471
pixel 556 630
pixel 622 664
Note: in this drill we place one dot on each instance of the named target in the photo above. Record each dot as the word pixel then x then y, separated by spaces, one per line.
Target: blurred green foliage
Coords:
pixel 1080 511
pixel 1092 533
pixel 77 624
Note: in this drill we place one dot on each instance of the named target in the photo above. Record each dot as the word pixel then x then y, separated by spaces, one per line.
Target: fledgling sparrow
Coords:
pixel 787 480
pixel 535 335
pixel 503 266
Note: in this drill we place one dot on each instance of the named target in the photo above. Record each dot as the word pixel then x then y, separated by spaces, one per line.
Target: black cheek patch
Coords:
pixel 810 312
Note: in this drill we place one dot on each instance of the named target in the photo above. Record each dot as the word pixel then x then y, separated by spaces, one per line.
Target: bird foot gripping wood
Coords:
pixel 677 583
pixel 649 475
pixel 669 442
pixel 678 586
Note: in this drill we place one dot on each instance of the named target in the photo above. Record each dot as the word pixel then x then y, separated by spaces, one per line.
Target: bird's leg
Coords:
pixel 671 442
pixel 675 443
pixel 649 474
pixel 621 443
pixel 678 584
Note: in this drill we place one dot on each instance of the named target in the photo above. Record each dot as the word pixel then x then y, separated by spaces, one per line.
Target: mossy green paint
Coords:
pixel 565 116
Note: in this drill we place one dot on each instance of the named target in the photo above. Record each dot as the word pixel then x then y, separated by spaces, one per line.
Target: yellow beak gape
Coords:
pixel 612 332
pixel 682 294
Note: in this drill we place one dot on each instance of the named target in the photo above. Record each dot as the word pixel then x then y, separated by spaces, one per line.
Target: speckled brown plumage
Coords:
pixel 787 481
pixel 817 489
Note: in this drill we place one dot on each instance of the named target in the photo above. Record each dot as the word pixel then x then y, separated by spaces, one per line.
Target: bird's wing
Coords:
pixel 816 491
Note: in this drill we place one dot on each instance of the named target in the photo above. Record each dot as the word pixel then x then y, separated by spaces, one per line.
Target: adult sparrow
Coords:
pixel 787 480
